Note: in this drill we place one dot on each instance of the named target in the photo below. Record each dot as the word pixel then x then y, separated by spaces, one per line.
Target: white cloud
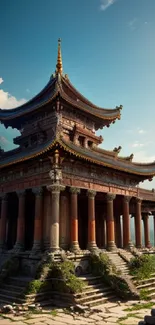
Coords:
pixel 141 131
pixel 132 23
pixel 1 80
pixel 143 157
pixel 137 144
pixel 9 101
pixel 106 3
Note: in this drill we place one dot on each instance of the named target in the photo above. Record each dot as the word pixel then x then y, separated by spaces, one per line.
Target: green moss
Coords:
pixel 65 279
pixel 147 305
pixel 142 266
pixel 144 294
pixel 101 265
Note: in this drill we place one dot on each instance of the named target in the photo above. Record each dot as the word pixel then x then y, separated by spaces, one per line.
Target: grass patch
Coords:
pixel 142 266
pixel 144 294
pixel 140 306
pixel 54 312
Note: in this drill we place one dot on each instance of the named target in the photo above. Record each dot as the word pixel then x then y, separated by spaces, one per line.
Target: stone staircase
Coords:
pixel 94 292
pixel 119 262
pixel 146 284
pixel 12 291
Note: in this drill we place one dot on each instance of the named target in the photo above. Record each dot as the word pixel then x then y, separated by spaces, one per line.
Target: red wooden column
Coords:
pixel 19 245
pixel 126 223
pixel 55 190
pixel 110 222
pixel 91 220
pixel 3 220
pixel 138 225
pixel 38 219
pixel 146 230
pixel 74 218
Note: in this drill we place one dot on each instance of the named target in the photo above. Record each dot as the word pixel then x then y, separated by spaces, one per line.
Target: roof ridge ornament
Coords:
pixel 59 66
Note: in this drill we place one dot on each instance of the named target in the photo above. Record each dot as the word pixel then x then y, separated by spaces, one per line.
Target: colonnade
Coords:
pixel 111 225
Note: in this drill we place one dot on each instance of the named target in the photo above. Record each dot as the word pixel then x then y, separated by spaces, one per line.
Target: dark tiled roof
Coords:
pixel 145 170
pixel 59 85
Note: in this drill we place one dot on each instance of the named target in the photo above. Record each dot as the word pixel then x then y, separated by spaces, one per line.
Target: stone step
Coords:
pixel 139 282
pixel 10 292
pixel 92 280
pixel 146 285
pixel 93 291
pixel 100 301
pixel 12 287
pixel 11 299
pixel 93 296
pixel 19 281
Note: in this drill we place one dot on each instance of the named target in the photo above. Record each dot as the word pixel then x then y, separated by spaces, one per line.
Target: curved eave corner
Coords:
pixel 86 156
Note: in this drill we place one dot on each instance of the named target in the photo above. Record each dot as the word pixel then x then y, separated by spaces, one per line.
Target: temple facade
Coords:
pixel 58 188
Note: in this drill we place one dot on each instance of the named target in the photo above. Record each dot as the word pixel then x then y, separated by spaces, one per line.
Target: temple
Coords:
pixel 59 189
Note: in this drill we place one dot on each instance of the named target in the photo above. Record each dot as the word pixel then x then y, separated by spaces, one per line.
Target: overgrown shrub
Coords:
pixel 101 265
pixel 55 277
pixel 142 266
pixel 64 272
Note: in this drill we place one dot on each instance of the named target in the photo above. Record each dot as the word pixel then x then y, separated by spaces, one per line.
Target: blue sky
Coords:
pixel 108 52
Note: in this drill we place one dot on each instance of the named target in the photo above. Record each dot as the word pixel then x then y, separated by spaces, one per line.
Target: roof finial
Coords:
pixel 59 67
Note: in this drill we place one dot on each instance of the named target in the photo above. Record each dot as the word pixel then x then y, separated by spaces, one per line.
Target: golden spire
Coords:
pixel 59 67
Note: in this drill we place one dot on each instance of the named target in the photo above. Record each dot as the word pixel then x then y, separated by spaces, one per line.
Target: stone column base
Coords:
pixel 18 247
pixel 148 245
pixel 111 246
pixel 54 249
pixel 36 247
pixel 75 247
pixel 3 247
pixel 92 246
pixel 129 246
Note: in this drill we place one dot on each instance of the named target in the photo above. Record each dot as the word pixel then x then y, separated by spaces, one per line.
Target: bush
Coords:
pixel 101 265
pixel 66 279
pixel 57 277
pixel 142 266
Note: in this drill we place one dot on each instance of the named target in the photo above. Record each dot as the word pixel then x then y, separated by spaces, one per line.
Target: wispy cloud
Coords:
pixel 132 24
pixel 136 131
pixel 9 101
pixel 105 4
pixel 143 157
pixel 137 144
pixel 1 80
pixel 3 140
pixel 141 131
pixel 28 90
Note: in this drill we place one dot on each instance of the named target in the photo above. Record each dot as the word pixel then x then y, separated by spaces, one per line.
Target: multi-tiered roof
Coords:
pixel 59 86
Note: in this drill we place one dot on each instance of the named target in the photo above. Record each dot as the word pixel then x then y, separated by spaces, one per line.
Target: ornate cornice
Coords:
pixel 74 190
pixel 138 199
pixel 55 188
pixel 91 193
pixel 110 196
pixel 127 198
pixel 21 193
pixel 38 191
